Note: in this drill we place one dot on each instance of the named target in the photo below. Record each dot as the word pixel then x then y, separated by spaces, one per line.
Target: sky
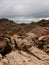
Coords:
pixel 24 11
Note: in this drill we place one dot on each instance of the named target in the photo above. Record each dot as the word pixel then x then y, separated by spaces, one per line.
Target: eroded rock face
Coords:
pixel 32 38
pixel 23 42
pixel 20 44
pixel 20 50
pixel 6 45
pixel 43 43
pixel 20 58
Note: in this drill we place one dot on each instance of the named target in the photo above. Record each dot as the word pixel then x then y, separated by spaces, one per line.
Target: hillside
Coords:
pixel 10 27
pixel 24 44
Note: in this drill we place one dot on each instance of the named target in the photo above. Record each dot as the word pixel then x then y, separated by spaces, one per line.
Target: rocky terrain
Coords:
pixel 24 44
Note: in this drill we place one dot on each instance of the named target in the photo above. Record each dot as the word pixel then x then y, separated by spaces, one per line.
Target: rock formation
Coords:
pixel 24 44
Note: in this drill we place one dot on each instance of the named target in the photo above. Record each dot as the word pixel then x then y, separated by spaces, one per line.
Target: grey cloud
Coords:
pixel 24 8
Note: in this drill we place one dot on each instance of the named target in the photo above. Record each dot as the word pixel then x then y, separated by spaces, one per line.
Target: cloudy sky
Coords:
pixel 24 10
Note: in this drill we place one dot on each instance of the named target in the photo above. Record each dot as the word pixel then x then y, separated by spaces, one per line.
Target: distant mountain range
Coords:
pixel 9 27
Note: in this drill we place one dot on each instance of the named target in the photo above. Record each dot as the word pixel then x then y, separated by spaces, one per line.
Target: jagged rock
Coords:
pixel 32 38
pixel 43 43
pixel 6 45
pixel 21 42
pixel 10 42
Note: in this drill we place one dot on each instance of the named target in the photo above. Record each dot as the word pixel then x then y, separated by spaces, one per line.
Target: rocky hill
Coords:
pixel 43 22
pixel 9 27
pixel 24 44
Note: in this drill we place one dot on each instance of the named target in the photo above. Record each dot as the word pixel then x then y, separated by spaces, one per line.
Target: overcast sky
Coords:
pixel 24 10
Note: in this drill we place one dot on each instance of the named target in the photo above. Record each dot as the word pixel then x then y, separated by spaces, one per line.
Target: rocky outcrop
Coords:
pixel 9 27
pixel 24 44
pixel 20 58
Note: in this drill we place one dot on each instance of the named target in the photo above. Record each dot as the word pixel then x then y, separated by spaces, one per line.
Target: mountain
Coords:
pixel 41 27
pixel 9 27
pixel 24 44
pixel 43 22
